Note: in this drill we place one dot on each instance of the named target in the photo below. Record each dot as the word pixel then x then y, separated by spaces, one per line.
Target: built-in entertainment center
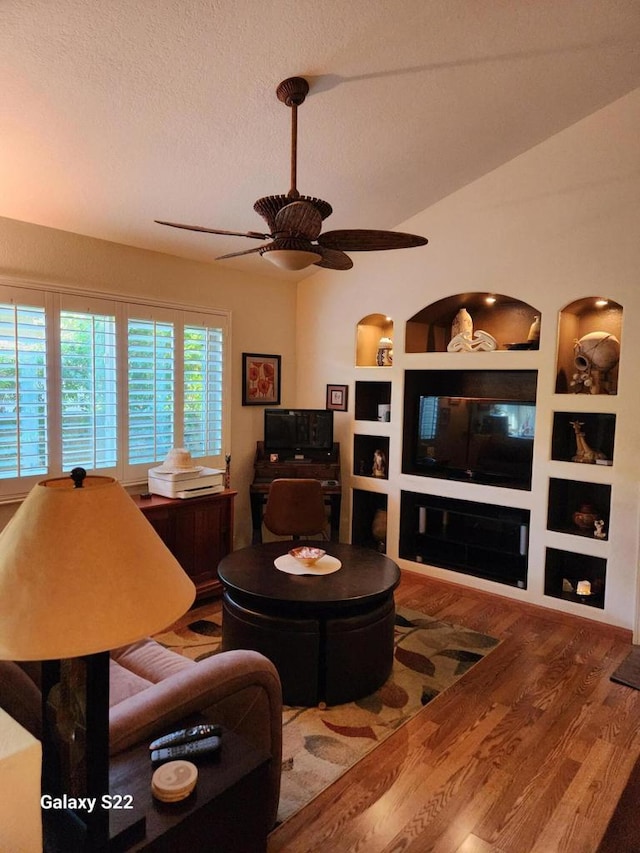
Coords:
pixel 492 469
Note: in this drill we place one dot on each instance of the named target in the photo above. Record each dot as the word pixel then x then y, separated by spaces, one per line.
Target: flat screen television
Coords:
pixel 298 431
pixel 479 439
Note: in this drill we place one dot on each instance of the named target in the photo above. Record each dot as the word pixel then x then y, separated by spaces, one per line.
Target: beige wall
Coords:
pixel 262 314
pixel 558 223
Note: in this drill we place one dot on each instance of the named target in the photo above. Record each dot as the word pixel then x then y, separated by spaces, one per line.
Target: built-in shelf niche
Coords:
pixel 565 569
pixel 369 519
pixel 597 440
pixel 584 317
pixel 507 319
pixel 567 497
pixel 370 331
pixel 369 397
pixel 365 450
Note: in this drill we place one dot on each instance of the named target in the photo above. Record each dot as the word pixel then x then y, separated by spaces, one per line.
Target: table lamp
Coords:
pixel 82 572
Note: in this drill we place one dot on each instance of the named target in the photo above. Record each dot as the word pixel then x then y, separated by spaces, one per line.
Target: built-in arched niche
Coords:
pixel 374 341
pixel 513 324
pixel 589 340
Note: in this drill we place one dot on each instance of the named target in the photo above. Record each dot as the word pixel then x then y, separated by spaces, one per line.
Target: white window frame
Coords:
pixel 56 298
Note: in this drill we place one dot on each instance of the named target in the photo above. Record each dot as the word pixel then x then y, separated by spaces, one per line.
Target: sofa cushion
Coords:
pixel 124 683
pixel 151 661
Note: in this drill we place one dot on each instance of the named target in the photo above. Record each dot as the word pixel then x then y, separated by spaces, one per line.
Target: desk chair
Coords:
pixel 295 507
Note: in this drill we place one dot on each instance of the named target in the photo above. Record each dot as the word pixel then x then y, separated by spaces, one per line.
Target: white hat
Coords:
pixel 178 461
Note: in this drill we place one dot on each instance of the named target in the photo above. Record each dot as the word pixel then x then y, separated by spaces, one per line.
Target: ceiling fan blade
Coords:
pixel 365 240
pixel 299 219
pixel 246 252
pixel 332 259
pixel 253 234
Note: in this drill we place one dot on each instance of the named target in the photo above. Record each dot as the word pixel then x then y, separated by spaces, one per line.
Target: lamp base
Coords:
pixel 75 753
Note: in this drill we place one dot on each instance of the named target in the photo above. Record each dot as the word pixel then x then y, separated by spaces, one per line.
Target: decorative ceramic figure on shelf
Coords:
pixel 379 464
pixel 599 532
pixel 595 355
pixel 583 452
pixel 585 517
pixel 462 324
pixel 481 341
pixel 379 529
pixel 534 331
pixel 384 354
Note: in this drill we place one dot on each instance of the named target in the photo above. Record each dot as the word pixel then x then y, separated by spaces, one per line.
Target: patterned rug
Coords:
pixel 319 745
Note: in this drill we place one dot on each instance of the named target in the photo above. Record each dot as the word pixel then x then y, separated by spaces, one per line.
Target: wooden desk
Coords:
pixel 321 466
pixel 197 531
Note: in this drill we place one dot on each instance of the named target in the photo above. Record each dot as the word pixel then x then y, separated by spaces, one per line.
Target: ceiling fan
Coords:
pixel 295 221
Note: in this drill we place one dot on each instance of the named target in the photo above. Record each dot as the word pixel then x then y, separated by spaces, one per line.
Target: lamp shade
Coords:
pixel 83 571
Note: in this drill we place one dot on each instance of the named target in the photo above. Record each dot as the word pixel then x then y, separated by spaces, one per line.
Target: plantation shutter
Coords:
pixel 88 384
pixel 23 384
pixel 151 388
pixel 203 387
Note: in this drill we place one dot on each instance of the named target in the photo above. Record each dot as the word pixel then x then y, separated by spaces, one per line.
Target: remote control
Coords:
pixel 186 736
pixel 189 751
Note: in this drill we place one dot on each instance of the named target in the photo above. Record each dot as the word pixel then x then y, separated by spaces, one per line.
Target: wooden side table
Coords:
pixel 226 811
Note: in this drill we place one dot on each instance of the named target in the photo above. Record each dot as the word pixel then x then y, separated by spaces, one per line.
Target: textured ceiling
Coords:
pixel 121 112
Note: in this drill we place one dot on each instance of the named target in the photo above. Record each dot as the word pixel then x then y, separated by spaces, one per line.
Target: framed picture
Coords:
pixel 260 379
pixel 337 396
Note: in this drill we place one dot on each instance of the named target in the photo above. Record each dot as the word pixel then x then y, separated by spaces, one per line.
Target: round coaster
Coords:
pixel 174 781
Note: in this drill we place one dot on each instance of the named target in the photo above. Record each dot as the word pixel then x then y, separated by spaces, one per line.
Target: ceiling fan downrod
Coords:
pixel 292 92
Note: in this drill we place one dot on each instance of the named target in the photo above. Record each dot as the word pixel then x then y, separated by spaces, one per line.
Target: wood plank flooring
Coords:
pixel 529 751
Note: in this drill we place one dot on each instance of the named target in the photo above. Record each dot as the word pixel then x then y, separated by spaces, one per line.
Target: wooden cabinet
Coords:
pixel 197 531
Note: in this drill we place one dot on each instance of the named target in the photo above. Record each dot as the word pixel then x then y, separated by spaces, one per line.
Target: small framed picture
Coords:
pixel 337 397
pixel 260 379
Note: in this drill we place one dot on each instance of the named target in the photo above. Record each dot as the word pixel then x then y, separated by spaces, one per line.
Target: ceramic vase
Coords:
pixel 585 517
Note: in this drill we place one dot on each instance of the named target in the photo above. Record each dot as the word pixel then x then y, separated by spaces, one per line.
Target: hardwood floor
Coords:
pixel 529 751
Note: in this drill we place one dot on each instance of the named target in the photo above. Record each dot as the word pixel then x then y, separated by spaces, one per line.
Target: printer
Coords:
pixel 178 477
pixel 186 484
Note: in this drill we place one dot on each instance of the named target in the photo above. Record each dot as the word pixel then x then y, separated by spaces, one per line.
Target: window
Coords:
pixel 107 385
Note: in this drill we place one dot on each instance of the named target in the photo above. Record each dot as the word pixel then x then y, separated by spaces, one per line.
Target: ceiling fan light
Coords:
pixel 292 259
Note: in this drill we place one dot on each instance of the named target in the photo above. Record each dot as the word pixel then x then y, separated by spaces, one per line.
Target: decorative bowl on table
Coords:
pixel 307 555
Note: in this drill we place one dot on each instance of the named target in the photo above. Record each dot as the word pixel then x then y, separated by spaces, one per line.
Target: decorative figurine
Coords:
pixel 481 341
pixel 379 464
pixel 599 532
pixel 462 324
pixel 583 452
pixel 534 331
pixel 384 354
pixel 595 355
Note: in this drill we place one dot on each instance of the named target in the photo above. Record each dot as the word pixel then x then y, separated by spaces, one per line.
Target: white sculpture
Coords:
pixel 481 341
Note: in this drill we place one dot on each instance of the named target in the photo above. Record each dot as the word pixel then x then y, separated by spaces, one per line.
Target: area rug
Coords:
pixel 628 673
pixel 319 745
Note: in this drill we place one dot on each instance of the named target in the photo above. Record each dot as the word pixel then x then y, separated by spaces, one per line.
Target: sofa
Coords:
pixel 153 688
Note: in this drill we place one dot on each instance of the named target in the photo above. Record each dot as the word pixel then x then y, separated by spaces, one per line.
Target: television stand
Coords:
pixel 317 465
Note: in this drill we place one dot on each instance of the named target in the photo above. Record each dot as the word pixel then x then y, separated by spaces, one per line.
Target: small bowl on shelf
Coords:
pixel 307 555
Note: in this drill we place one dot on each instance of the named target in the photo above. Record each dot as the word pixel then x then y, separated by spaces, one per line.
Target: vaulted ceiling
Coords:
pixel 118 113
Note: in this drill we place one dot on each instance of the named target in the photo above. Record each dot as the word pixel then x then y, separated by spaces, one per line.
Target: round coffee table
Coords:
pixel 330 636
